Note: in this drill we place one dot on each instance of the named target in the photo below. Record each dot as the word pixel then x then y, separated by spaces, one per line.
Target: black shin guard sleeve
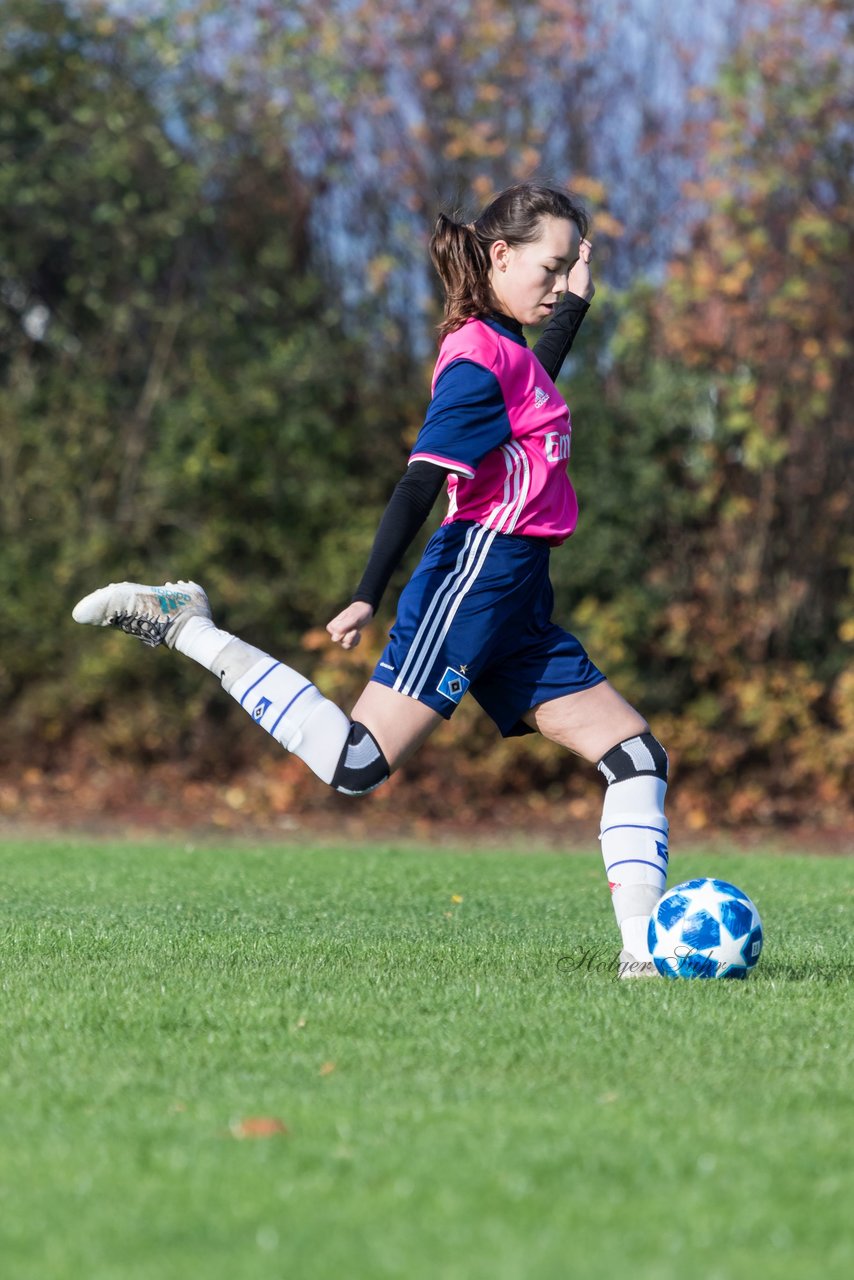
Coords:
pixel 362 765
pixel 634 757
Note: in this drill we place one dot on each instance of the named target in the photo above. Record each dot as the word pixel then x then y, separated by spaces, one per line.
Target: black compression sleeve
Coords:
pixel 559 334
pixel 408 508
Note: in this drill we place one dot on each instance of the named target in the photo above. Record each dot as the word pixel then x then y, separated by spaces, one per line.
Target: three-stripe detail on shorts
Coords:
pixel 443 607
pixel 446 601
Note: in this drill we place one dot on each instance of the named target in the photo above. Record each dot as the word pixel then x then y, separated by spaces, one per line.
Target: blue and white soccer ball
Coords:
pixel 705 929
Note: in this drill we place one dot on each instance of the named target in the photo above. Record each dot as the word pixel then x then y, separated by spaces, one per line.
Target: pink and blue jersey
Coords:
pixel 476 613
pixel 502 429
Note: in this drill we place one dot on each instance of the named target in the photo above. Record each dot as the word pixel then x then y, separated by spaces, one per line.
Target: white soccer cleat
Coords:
pixel 629 967
pixel 153 614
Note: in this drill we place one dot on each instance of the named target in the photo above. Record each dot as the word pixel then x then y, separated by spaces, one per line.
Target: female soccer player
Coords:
pixel 476 614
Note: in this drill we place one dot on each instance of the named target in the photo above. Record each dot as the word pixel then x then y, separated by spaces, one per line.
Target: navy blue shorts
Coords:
pixel 476 617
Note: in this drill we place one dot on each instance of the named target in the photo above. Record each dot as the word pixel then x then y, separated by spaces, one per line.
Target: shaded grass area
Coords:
pixel 467 1090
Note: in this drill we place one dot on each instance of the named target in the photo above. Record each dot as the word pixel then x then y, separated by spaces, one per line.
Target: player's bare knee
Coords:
pixel 362 767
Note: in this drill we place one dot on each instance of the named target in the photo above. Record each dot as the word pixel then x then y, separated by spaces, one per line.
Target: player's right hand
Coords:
pixel 580 278
pixel 345 628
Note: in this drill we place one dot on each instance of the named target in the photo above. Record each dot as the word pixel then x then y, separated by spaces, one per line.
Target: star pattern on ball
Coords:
pixel 705 928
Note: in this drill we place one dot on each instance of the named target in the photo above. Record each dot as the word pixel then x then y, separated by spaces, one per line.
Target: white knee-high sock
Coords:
pixel 277 698
pixel 634 848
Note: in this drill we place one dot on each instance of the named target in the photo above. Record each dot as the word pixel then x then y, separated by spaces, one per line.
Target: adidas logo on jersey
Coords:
pixel 540 397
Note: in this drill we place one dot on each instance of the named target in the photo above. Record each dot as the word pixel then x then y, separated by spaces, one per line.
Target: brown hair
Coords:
pixel 460 251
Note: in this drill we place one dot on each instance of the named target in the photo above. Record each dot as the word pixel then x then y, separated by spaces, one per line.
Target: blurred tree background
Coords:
pixel 216 333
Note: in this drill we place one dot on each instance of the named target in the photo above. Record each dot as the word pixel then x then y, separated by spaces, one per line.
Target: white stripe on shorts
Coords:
pixel 482 546
pixel 446 601
pixel 451 581
pixel 443 607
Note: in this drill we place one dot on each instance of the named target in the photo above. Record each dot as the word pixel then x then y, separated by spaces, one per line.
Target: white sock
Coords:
pixel 277 698
pixel 634 934
pixel 201 639
pixel 634 848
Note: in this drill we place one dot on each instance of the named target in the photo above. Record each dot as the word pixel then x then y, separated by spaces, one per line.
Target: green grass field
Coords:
pixel 463 1096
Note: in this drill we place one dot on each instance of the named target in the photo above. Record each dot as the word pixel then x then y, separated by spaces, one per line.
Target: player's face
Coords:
pixel 528 279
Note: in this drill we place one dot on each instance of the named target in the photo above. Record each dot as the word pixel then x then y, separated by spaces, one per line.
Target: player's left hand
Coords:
pixel 580 280
pixel 346 627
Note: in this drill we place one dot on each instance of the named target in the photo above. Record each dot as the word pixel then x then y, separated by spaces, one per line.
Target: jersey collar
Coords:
pixel 506 326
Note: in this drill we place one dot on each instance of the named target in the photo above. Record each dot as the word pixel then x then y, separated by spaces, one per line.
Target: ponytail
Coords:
pixel 462 262
pixel 460 251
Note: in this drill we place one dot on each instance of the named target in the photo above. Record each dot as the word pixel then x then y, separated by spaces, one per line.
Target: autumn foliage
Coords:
pixel 216 328
pixel 760 304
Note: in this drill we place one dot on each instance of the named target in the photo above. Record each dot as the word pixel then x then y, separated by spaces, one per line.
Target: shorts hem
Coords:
pixel 444 712
pixel 519 728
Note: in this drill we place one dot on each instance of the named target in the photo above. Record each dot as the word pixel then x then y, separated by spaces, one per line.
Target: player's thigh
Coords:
pixel 399 724
pixel 589 722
